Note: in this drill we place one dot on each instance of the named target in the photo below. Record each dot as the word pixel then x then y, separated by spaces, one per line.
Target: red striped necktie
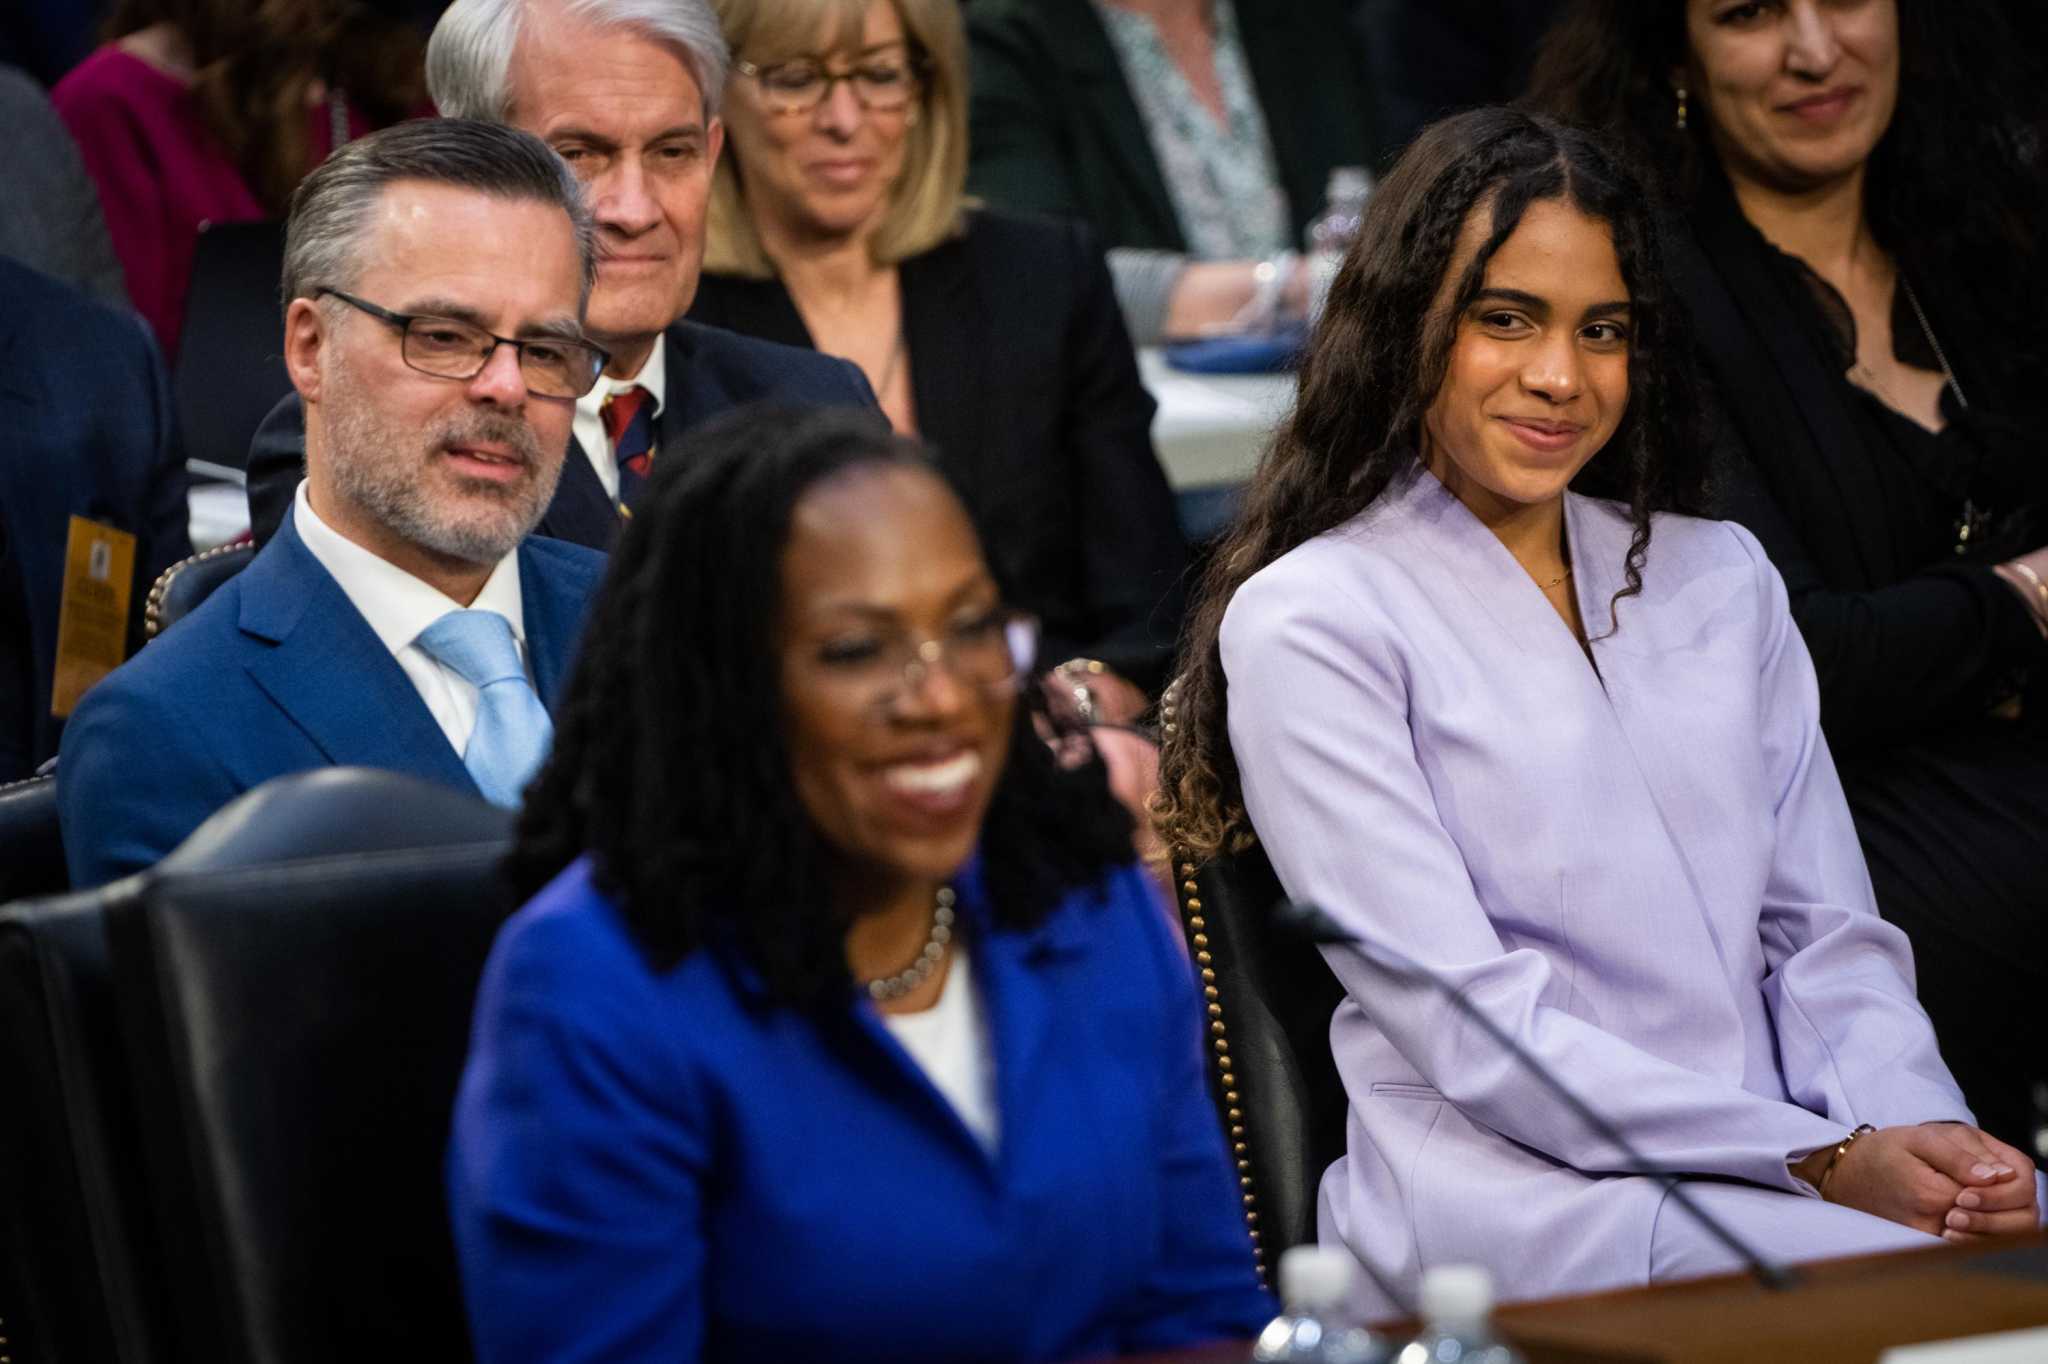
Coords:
pixel 628 417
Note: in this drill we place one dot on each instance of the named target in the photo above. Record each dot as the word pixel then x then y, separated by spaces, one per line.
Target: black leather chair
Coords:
pixel 180 589
pixel 1269 1000
pixel 31 843
pixel 78 1283
pixel 230 370
pixel 296 983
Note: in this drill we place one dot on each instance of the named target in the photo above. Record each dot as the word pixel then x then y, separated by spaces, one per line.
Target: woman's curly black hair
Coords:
pixel 1375 363
pixel 669 767
pixel 1958 185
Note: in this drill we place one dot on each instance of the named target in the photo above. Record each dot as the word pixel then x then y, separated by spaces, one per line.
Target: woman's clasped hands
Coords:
pixel 1947 1179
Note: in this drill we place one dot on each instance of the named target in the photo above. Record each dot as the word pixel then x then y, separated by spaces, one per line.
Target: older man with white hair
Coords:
pixel 627 93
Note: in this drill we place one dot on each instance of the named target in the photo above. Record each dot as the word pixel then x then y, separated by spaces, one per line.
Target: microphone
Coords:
pixel 1312 924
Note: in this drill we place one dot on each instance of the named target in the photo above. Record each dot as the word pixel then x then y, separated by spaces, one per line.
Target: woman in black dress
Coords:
pixel 1863 273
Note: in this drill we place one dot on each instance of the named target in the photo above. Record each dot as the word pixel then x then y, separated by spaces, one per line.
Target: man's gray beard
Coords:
pixel 365 463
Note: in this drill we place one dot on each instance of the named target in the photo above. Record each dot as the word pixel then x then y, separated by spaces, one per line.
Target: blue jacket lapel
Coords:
pixel 1021 992
pixel 554 605
pixel 330 674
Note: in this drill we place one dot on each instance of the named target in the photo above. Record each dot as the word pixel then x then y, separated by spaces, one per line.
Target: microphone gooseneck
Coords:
pixel 1314 924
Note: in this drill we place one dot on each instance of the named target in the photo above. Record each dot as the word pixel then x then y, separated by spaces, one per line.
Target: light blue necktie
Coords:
pixel 512 727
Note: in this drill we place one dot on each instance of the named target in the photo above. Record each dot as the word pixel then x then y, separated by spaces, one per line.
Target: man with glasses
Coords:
pixel 436 277
pixel 627 92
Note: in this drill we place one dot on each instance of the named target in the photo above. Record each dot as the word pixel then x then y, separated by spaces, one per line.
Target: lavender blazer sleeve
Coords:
pixel 1646 872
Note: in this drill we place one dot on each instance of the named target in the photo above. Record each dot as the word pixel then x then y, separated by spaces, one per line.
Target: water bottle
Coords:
pixel 1315 1282
pixel 1457 1307
pixel 1333 231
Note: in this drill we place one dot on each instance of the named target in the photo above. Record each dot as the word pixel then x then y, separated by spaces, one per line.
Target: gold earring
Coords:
pixel 1682 111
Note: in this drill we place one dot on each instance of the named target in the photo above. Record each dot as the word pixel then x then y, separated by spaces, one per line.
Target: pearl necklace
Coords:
pixel 885 988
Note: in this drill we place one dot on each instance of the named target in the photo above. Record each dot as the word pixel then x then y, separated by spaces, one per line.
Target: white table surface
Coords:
pixel 1211 428
pixel 220 512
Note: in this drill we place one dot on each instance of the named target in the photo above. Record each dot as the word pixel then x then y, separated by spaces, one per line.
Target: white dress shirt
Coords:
pixel 588 428
pixel 950 1043
pixel 399 606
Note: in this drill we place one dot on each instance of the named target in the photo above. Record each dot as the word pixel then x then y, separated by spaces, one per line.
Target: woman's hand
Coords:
pixel 1920 1177
pixel 2006 1207
pixel 1089 693
pixel 2028 576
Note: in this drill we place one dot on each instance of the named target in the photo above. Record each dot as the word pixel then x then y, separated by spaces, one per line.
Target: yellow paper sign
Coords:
pixel 92 622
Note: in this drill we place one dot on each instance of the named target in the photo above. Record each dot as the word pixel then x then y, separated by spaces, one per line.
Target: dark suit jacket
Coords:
pixel 86 429
pixel 276 672
pixel 1027 391
pixel 1056 130
pixel 1430 58
pixel 709 372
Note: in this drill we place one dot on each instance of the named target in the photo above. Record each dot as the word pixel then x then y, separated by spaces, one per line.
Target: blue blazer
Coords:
pixel 667 1165
pixel 86 429
pixel 709 371
pixel 276 672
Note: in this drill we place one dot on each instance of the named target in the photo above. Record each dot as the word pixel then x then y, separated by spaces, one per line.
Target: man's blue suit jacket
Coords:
pixel 86 429
pixel 276 672
pixel 708 371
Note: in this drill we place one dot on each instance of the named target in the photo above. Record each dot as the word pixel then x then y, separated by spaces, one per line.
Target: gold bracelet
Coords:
pixel 2026 570
pixel 1821 1185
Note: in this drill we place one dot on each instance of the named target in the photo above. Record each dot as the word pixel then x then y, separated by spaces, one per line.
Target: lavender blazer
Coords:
pixel 1648 874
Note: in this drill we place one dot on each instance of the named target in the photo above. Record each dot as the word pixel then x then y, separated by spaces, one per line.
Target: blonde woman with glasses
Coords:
pixel 838 221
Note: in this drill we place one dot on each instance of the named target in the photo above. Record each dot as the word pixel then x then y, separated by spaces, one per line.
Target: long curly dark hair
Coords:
pixel 1373 367
pixel 1958 185
pixel 669 766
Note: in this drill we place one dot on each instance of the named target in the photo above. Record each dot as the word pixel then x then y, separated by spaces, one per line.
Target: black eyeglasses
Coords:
pixel 553 367
pixel 883 81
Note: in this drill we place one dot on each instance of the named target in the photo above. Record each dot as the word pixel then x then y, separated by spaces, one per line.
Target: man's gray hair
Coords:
pixel 469 57
pixel 334 208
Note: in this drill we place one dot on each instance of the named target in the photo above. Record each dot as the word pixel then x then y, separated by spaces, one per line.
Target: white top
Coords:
pixel 950 1043
pixel 399 606
pixel 588 428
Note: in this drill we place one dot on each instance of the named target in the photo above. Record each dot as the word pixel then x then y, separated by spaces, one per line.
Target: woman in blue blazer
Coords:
pixel 840 1027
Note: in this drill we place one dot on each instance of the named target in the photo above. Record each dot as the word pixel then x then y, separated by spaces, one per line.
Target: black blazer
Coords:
pixel 1056 130
pixel 1907 638
pixel 1027 391
pixel 86 429
pixel 709 372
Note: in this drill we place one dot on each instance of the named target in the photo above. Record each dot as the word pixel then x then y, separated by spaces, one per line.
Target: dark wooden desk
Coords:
pixel 1841 1312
